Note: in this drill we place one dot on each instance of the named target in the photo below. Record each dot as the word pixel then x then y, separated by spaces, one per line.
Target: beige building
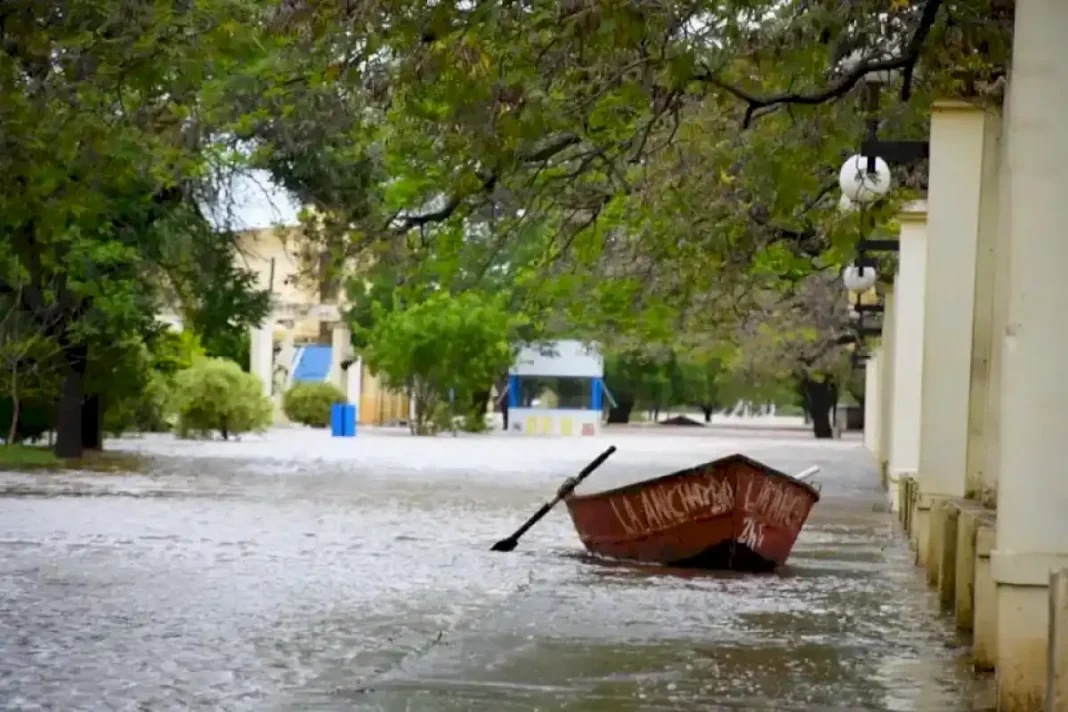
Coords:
pixel 275 255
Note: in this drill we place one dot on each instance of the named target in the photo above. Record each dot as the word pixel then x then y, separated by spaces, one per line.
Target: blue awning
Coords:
pixel 312 363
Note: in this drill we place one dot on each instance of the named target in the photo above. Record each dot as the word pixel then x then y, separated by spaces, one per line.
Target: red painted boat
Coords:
pixel 732 513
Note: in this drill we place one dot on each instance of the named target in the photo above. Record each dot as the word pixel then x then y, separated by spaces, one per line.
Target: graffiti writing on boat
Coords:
pixel 671 503
pixel 752 534
pixel 776 502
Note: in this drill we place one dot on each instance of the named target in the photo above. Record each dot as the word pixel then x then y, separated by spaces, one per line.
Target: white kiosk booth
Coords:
pixel 556 389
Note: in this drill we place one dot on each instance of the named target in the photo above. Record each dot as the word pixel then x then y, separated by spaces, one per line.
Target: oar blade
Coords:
pixel 505 545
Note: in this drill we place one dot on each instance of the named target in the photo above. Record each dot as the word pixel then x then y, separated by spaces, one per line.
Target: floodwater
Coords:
pixel 292 571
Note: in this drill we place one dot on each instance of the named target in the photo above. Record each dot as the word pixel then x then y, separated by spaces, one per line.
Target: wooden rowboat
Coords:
pixel 732 513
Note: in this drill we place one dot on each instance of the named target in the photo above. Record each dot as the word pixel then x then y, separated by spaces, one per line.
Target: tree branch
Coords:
pixel 489 182
pixel 906 63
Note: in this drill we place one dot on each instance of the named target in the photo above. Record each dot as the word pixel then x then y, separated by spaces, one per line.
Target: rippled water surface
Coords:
pixel 294 571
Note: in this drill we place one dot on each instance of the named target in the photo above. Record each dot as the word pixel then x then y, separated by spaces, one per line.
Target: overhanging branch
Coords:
pixel 489 182
pixel 906 63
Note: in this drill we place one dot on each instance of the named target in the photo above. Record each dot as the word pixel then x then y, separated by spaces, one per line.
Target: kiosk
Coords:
pixel 556 389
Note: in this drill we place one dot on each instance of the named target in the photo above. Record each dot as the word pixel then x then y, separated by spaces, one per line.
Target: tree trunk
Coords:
pixel 707 410
pixel 479 402
pixel 502 401
pixel 69 425
pixel 620 413
pixel 92 423
pixel 819 399
pixel 13 431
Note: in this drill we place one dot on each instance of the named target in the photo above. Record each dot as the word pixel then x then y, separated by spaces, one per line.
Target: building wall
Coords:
pixel 378 404
pixel 554 421
pixel 257 249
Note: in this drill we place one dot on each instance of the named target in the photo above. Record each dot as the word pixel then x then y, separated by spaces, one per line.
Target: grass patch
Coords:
pixel 96 461
pixel 25 457
pixel 39 457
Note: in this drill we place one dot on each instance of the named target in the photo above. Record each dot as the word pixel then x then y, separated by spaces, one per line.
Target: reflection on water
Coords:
pixel 249 582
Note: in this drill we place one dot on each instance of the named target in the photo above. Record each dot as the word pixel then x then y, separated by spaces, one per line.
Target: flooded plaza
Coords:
pixel 292 571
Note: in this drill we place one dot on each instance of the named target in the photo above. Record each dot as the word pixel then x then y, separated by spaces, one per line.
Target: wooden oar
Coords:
pixel 565 489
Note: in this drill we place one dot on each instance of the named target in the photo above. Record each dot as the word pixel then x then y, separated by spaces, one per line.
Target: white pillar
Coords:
pixel 908 347
pixel 355 384
pixel 998 310
pixel 284 368
pixel 340 349
pixel 261 353
pixel 959 147
pixel 871 403
pixel 886 379
pixel 979 477
pixel 1032 525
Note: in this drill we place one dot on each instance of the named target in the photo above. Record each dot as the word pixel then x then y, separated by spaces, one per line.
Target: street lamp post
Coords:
pixel 864 179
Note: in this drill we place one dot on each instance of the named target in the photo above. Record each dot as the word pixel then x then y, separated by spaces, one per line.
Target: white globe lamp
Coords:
pixel 860 186
pixel 859 279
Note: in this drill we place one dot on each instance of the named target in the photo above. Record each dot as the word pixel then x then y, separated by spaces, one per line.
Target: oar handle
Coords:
pixel 571 483
pixel 805 474
pixel 566 489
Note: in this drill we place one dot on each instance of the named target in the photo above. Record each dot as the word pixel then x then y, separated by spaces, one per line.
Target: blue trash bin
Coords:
pixel 348 420
pixel 336 420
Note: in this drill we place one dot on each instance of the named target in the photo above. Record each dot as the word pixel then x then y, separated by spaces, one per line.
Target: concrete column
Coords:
pixel 283 370
pixel 340 349
pixel 960 146
pixel 355 384
pixel 1032 526
pixel 1057 687
pixel 871 403
pixel 978 480
pixel 886 380
pixel 988 475
pixel 909 288
pixel 985 622
pixel 261 353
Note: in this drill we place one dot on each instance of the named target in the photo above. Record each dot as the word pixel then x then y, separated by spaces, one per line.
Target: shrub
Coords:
pixel 146 411
pixel 475 422
pixel 35 419
pixel 309 403
pixel 214 394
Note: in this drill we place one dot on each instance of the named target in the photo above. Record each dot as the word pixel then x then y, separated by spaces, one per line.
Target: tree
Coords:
pixel 577 113
pixel 638 378
pixel 108 133
pixel 698 382
pixel 797 339
pixel 441 350
pixel 28 366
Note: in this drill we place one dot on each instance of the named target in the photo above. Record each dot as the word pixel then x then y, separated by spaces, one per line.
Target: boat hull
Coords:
pixel 733 513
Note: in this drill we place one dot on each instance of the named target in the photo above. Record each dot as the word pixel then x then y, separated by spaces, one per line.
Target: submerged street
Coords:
pixel 292 571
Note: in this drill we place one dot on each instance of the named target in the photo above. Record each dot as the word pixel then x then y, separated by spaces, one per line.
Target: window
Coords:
pixel 548 392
